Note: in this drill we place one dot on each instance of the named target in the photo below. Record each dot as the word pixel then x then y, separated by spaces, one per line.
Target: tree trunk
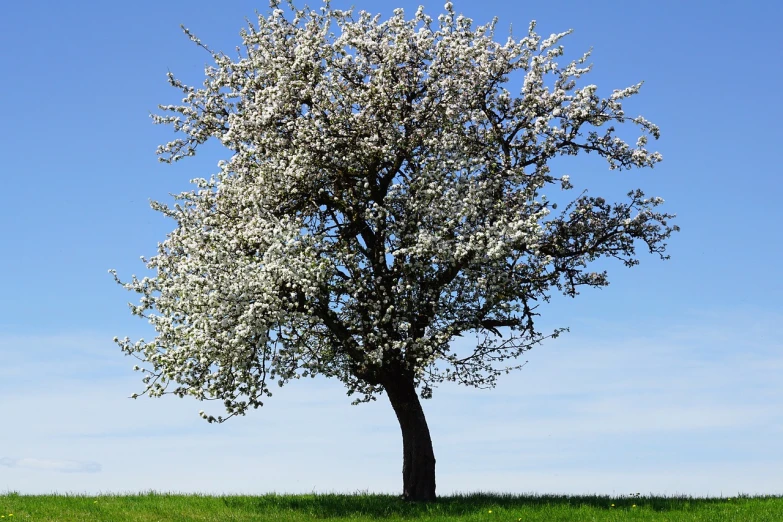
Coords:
pixel 418 459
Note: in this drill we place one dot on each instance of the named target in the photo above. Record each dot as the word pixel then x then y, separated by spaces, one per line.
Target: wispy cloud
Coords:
pixel 690 408
pixel 62 466
pixel 87 356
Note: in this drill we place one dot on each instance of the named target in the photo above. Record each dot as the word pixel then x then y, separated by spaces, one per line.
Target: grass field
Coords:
pixel 159 507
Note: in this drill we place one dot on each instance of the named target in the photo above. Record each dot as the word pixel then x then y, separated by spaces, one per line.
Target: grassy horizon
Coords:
pixel 173 507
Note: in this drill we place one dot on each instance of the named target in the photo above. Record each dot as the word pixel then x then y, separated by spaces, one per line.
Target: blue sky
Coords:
pixel 669 381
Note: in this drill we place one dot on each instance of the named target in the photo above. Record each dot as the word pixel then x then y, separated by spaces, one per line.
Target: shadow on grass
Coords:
pixel 381 506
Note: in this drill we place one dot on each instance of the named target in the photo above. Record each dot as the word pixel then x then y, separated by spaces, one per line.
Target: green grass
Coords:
pixel 158 507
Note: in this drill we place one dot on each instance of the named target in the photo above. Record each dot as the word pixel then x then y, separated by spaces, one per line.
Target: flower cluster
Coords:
pixel 384 195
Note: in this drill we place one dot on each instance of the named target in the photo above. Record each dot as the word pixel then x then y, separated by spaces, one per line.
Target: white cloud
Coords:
pixel 62 466
pixel 690 409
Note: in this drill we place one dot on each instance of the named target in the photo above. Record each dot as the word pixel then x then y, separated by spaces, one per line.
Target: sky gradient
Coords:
pixel 668 383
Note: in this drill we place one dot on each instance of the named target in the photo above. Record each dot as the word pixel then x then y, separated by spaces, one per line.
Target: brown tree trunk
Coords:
pixel 418 459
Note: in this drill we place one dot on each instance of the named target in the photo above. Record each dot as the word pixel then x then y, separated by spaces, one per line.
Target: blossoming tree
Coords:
pixel 384 194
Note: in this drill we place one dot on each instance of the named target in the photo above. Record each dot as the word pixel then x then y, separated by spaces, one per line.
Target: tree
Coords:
pixel 385 193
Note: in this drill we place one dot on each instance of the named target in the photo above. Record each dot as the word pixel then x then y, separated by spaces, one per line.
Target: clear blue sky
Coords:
pixel 669 381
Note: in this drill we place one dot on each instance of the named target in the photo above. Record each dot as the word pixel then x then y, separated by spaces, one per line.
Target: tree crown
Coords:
pixel 384 195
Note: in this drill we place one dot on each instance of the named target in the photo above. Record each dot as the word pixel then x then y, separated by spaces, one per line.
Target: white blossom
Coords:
pixel 384 193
